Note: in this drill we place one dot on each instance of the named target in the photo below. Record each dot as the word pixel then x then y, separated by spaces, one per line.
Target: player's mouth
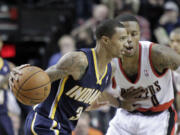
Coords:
pixel 128 50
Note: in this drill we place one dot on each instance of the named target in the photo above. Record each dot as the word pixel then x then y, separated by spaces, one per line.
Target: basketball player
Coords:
pixel 148 65
pixel 6 127
pixel 174 43
pixel 77 80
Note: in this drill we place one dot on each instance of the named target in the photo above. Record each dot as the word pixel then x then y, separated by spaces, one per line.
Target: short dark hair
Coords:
pixel 107 28
pixel 126 17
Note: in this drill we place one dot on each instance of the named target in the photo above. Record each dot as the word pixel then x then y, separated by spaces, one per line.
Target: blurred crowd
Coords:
pixel 157 19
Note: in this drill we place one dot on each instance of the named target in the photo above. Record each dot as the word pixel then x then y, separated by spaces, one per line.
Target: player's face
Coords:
pixel 175 41
pixel 118 41
pixel 133 32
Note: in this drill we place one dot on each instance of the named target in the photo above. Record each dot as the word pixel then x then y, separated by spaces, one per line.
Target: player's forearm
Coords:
pixel 113 101
pixel 55 74
pixel 173 61
pixel 73 63
pixel 104 99
pixel 93 107
pixel 164 57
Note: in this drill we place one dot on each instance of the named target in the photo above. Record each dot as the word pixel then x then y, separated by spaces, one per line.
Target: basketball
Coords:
pixel 32 87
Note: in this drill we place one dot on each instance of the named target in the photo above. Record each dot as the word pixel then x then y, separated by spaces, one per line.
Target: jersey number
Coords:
pixel 78 114
pixel 154 100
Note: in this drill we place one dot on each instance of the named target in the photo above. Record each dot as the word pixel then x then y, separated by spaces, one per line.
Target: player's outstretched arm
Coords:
pixel 104 99
pixel 73 63
pixel 164 57
pixel 128 102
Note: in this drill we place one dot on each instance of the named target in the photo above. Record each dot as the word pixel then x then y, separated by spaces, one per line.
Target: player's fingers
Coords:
pixel 23 66
pixel 10 79
pixel 136 106
pixel 128 93
pixel 11 84
pixel 132 95
pixel 17 78
pixel 131 89
pixel 16 71
pixel 137 94
pixel 12 75
pixel 141 99
pixel 139 90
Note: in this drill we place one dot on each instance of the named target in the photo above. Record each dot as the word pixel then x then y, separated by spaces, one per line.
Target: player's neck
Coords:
pixel 102 56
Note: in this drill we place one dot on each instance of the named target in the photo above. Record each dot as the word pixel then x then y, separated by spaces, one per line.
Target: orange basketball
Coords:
pixel 33 86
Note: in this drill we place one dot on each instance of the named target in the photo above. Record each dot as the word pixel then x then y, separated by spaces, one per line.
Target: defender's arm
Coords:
pixel 164 57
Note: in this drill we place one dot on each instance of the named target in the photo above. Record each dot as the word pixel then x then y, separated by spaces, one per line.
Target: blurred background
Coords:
pixel 39 32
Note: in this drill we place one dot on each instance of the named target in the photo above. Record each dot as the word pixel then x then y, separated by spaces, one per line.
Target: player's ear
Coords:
pixel 105 40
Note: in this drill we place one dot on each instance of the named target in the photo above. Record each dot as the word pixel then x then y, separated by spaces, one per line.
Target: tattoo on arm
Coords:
pixel 164 57
pixel 74 64
pixel 55 74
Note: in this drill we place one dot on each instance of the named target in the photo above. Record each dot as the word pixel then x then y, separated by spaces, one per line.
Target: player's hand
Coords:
pixel 133 95
pixel 17 70
pixel 14 74
pixel 129 106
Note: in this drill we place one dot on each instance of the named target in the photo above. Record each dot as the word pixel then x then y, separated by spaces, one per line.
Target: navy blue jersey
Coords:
pixel 4 70
pixel 69 98
pixel 4 67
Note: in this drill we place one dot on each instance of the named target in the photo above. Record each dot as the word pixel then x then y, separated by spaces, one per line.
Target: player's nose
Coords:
pixel 128 44
pixel 129 39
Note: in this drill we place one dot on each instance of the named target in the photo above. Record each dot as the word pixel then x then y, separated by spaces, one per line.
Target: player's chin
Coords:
pixel 128 54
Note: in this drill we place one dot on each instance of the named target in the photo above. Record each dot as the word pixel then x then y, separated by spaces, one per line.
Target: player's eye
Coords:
pixel 123 38
pixel 134 34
